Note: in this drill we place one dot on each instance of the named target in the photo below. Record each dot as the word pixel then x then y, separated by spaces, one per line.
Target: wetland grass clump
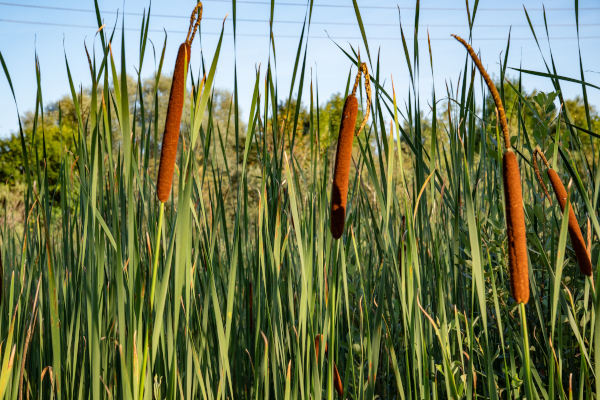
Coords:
pixel 343 157
pixel 577 241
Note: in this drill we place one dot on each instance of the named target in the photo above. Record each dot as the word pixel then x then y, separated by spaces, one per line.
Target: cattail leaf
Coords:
pixel 203 100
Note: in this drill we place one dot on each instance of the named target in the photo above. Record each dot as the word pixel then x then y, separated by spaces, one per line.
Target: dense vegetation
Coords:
pixel 412 302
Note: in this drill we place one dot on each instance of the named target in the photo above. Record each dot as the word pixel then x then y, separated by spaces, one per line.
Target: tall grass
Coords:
pixel 412 302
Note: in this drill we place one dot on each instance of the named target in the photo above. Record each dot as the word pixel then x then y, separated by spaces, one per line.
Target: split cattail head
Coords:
pixel 343 157
pixel 168 153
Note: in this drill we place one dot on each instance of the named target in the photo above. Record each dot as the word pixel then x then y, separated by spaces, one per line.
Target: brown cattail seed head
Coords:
pixel 515 224
pixel 583 259
pixel 318 343
pixel 341 173
pixel 337 381
pixel 171 136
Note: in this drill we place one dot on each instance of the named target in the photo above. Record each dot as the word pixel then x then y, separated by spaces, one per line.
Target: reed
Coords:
pixel 581 251
pixel 341 174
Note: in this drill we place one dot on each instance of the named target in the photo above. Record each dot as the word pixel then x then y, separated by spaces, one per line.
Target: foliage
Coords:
pixel 412 302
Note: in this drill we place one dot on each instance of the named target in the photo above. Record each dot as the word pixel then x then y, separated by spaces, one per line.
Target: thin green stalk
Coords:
pixel 528 383
pixel 152 288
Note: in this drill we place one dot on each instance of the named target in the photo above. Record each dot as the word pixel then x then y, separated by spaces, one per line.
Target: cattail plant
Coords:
pixel 168 156
pixel 513 196
pixel 337 380
pixel 515 217
pixel 577 241
pixel 341 173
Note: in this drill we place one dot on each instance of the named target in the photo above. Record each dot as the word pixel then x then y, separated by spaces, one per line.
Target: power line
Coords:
pixel 265 35
pixel 335 23
pixel 372 7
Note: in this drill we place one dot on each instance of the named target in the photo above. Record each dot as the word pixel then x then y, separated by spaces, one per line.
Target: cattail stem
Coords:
pixel 152 288
pixel 527 360
pixel 156 252
pixel 492 88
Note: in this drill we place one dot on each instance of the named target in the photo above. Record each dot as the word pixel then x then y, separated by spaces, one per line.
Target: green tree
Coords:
pixel 47 139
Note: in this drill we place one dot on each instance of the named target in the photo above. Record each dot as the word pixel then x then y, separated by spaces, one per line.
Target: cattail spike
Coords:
pixel 171 136
pixel 516 232
pixel 168 152
pixel 341 174
pixel 581 251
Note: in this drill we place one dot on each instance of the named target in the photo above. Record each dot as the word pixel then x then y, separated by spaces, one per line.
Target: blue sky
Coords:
pixel 56 28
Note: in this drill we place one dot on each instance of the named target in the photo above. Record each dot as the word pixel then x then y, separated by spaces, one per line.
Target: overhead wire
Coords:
pixel 286 36
pixel 161 15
